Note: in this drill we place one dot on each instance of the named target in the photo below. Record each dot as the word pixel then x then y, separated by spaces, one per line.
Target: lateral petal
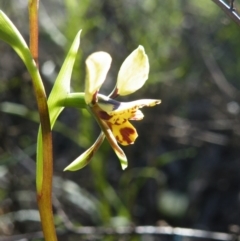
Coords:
pixel 127 111
pixel 137 104
pixel 118 112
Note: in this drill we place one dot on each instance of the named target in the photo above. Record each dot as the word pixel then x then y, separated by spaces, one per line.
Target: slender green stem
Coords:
pixel 44 191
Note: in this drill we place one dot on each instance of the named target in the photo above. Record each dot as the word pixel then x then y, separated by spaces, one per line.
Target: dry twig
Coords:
pixel 229 10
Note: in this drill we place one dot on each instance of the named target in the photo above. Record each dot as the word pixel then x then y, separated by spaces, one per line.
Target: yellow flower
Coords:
pixel 114 117
pixel 117 115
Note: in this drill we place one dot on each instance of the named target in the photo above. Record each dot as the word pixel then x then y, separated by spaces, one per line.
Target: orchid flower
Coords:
pixel 112 116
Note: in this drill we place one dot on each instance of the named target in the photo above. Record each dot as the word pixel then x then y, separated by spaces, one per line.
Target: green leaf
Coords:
pixel 10 35
pixel 59 92
pixel 61 87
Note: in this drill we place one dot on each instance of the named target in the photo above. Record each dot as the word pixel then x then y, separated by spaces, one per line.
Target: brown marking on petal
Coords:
pixel 104 115
pixel 126 132
pixel 94 98
pixel 118 122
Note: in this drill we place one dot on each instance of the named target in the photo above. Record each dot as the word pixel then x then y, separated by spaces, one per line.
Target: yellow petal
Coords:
pixel 97 66
pixel 125 133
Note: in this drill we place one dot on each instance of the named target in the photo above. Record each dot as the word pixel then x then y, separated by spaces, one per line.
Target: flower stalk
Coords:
pixel 33 25
pixel 44 190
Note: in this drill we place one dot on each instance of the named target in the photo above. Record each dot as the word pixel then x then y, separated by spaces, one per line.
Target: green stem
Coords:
pixel 10 34
pixel 44 191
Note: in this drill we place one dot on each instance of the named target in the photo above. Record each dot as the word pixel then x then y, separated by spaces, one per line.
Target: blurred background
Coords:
pixel 184 168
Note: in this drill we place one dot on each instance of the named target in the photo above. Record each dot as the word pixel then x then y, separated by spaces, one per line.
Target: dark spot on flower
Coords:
pixel 104 115
pixel 115 103
pixel 94 98
pixel 126 133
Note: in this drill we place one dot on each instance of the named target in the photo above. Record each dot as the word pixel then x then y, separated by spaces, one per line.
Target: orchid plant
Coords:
pixel 112 116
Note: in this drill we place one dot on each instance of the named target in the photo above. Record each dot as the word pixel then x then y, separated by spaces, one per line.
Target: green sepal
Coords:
pixel 86 157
